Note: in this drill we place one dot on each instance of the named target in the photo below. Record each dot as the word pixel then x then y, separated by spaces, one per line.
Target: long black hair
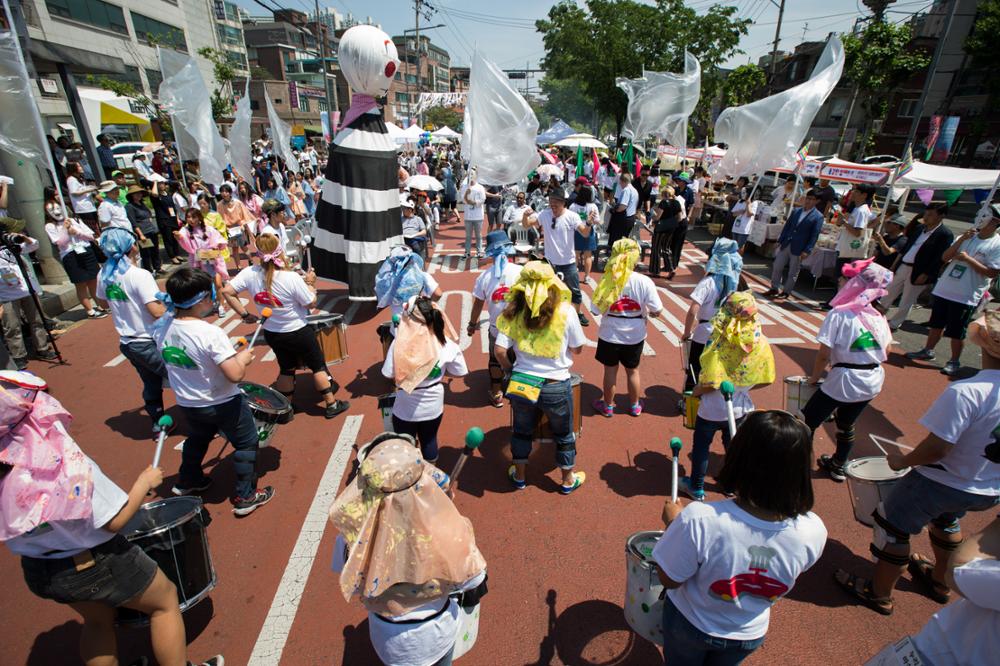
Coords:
pixel 431 315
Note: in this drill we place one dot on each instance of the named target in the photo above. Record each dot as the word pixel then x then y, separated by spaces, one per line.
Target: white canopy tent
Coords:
pixel 446 133
pixel 938 177
pixel 395 131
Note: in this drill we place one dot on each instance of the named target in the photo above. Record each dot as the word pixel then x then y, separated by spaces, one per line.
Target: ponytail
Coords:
pixel 431 315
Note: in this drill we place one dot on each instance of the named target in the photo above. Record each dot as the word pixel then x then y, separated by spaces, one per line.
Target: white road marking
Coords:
pixel 464 341
pixel 281 615
pixel 784 341
pixel 779 315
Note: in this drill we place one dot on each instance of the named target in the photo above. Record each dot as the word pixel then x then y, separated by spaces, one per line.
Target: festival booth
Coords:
pixel 123 118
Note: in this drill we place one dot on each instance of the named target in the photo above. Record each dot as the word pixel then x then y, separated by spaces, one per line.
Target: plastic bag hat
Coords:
pixel 534 282
pixel 624 256
pixel 358 218
pixel 867 282
pixel 737 350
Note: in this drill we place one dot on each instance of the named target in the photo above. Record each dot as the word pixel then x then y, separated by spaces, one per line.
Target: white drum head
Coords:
pixel 873 468
pixel 24 380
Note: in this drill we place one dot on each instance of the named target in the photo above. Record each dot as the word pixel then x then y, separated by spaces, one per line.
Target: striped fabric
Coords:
pixel 358 218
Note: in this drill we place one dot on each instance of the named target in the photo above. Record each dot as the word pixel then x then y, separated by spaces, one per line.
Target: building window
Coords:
pixel 131 77
pixel 277 100
pixel 154 77
pixel 153 32
pixel 254 105
pixel 303 105
pixel 907 107
pixel 94 12
pixel 402 97
pixel 229 35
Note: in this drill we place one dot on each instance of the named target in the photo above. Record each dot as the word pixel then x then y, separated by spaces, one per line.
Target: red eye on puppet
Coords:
pixel 390 69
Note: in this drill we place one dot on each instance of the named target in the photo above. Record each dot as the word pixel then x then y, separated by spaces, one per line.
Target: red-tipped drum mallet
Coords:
pixel 165 424
pixel 264 314
pixel 473 438
pixel 675 449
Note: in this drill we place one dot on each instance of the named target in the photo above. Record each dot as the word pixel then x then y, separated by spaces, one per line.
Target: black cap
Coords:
pixel 557 194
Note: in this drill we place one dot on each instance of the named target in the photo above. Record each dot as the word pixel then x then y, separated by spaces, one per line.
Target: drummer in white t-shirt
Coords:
pixel 491 288
pixel 287 331
pixel 955 469
pixel 854 342
pixel 744 212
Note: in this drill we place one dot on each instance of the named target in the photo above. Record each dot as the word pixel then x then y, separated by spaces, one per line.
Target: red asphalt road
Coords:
pixel 556 564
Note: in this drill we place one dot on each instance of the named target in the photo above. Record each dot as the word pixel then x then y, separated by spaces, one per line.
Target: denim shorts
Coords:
pixel 121 572
pixel 686 645
pixel 917 501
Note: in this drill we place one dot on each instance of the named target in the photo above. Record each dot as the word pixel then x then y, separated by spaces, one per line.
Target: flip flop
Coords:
pixel 861 589
pixel 578 479
pixel 922 571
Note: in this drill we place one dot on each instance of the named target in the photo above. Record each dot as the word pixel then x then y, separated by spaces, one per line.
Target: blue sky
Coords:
pixel 504 31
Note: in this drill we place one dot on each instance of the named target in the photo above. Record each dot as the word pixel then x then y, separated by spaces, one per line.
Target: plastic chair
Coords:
pixel 522 239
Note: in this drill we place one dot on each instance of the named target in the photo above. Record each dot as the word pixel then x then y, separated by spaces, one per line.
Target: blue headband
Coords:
pixel 163 323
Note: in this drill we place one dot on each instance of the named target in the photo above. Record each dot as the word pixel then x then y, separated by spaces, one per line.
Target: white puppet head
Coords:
pixel 368 59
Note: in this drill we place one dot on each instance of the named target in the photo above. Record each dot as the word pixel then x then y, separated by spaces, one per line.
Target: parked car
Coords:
pixel 124 151
pixel 880 159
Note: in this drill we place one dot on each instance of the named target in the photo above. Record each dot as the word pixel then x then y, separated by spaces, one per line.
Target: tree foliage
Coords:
pixel 593 45
pixel 439 116
pixel 566 101
pixel 743 85
pixel 225 73
pixel 981 42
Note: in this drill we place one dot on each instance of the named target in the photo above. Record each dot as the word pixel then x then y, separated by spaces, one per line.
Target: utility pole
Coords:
pixel 416 30
pixel 774 51
pixel 331 99
pixel 919 111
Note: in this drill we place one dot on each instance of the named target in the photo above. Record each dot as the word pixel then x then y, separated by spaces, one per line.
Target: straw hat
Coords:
pixel 135 189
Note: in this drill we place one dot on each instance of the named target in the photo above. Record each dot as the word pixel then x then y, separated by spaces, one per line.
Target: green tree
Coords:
pixel 225 74
pixel 980 46
pixel 593 45
pixel 743 85
pixel 876 62
pixel 565 100
pixel 439 116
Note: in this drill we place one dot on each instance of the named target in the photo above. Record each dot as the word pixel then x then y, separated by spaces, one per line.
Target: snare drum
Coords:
pixel 385 404
pixel 870 482
pixel 331 334
pixel 269 408
pixel 643 590
pixel 22 383
pixel 690 410
pixel 543 433
pixel 172 532
pixel 798 390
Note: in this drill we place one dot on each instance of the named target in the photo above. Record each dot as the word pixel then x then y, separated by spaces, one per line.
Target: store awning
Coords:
pixel 313 129
pixel 87 61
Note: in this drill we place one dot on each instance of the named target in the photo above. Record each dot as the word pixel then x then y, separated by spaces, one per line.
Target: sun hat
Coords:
pixel 108 185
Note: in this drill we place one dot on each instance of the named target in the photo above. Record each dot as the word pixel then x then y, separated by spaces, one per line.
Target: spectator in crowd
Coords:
pixel 854 234
pixel 473 195
pixel 75 243
pixel 111 212
pixel 494 201
pixel 626 203
pixel 80 195
pixel 141 166
pixel 105 155
pixel 796 242
pixel 919 262
pixel 826 194
pixel 644 188
pixel 16 300
pixel 166 220
pixel 888 245
pixel 146 232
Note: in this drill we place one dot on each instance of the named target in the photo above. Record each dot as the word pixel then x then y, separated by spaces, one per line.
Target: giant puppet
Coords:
pixel 358 217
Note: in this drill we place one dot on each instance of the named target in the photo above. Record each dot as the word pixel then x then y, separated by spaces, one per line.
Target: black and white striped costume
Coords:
pixel 358 217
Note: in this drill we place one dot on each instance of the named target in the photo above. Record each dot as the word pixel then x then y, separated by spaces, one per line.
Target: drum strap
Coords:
pixel 941 543
pixel 447 603
pixel 856 366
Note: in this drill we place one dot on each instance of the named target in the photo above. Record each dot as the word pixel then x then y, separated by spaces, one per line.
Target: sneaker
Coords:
pixel 336 408
pixel 636 409
pixel 578 479
pixel 21 363
pixel 782 296
pixel 204 484
pixel 922 355
pixel 217 660
pixel 771 292
pixel 951 368
pixel 684 486
pixel 243 506
pixel 832 467
pixel 518 483
pixel 97 314
pixel 222 310
pixel 583 320
pixel 603 408
pixel 47 356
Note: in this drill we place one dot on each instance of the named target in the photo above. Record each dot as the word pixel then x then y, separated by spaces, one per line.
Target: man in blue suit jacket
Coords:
pixel 796 241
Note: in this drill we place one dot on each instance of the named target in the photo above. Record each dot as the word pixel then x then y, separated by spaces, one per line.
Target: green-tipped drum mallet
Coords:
pixel 473 438
pixel 165 424
pixel 728 389
pixel 675 449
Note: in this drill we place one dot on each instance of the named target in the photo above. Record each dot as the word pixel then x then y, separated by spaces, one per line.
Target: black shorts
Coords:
pixel 121 572
pixel 296 349
pixel 613 353
pixel 953 317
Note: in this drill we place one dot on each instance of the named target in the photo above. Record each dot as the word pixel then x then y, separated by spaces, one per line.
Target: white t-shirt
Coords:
pixel 858 219
pixel 911 255
pixel 192 350
pixel 426 401
pixel 705 294
pixel 111 213
pixel 549 368
pixel 430 286
pixel 589 211
pixel 69 537
pixel 625 321
pixel 12 283
pixel 82 203
pixel 734 566
pixel 959 282
pixel 559 247
pixel 744 214
pixel 289 300
pixel 128 298
pixel 966 631
pixel 515 213
pixel 712 406
pixel 850 342
pixel 477 195
pixel 967 415
pixel 492 290
pixel 180 204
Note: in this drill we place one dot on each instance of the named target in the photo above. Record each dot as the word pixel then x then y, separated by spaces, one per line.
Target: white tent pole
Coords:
pixel 993 191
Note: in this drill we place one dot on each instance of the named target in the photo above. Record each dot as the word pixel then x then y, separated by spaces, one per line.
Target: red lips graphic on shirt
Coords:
pixel 500 293
pixel 266 298
pixel 625 306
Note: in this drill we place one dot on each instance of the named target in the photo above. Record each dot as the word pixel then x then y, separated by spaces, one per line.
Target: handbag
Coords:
pixel 525 387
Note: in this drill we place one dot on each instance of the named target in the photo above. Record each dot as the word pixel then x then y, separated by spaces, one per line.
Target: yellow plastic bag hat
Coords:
pixel 624 256
pixel 737 351
pixel 534 282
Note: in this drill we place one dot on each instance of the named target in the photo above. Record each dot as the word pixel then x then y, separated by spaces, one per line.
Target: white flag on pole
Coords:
pixel 239 137
pixel 281 135
pixel 660 102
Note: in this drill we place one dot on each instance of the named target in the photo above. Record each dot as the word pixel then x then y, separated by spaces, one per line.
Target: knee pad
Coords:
pixel 566 446
pixel 943 544
pixel 889 544
pixel 328 390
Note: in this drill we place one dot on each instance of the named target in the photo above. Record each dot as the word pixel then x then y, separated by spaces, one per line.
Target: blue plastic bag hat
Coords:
pixel 116 243
pixel 499 246
pixel 725 266
pixel 400 277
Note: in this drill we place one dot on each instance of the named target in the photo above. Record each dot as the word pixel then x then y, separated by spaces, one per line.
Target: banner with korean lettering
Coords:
pixel 855 173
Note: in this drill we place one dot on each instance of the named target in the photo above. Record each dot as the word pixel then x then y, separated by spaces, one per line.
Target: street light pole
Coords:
pixel 331 99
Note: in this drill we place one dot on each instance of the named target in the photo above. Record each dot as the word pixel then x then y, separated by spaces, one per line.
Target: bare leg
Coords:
pixel 588 263
pixel 519 471
pixel 98 646
pixel 634 385
pixel 567 477
pixel 322 380
pixel 887 574
pixel 166 626
pixel 933 337
pixel 610 374
pixel 83 294
pixel 941 556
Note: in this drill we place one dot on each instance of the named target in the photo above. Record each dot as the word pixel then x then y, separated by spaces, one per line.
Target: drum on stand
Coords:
pixel 269 408
pixel 690 409
pixel 385 404
pixel 543 432
pixel 331 334
pixel 798 390
pixel 172 532
pixel 870 482
pixel 643 590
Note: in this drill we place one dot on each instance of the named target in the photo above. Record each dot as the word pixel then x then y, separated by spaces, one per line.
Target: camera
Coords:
pixel 11 241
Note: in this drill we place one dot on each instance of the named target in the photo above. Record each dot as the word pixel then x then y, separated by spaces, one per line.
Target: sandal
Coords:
pixel 922 571
pixel 518 483
pixel 861 589
pixel 578 479
pixel 497 399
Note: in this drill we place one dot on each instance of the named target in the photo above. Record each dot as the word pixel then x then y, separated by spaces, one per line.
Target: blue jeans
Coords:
pixel 741 239
pixel 425 432
pixel 918 501
pixel 556 402
pixel 146 359
pixel 234 420
pixel 704 433
pixel 571 277
pixel 686 645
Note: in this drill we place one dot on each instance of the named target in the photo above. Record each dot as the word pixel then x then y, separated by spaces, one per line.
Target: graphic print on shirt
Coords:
pixel 865 341
pixel 114 292
pixel 267 298
pixel 992 452
pixel 500 293
pixel 626 306
pixel 754 583
pixel 175 355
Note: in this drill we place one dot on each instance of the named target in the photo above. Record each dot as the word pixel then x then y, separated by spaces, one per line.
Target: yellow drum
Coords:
pixel 690 410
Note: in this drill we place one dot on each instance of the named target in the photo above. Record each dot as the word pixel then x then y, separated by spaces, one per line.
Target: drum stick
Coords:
pixel 675 449
pixel 473 438
pixel 165 423
pixel 728 389
pixel 264 314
